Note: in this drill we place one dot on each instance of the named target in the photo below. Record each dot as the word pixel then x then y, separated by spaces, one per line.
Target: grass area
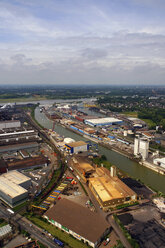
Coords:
pixel 82 186
pixel 132 241
pixel 119 244
pixel 17 208
pixel 126 205
pixel 30 99
pixel 102 161
pixel 131 113
pixel 3 223
pixel 149 122
pixel 64 237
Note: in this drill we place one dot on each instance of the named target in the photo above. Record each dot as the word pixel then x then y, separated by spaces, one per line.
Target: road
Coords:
pixel 26 225
pixel 119 232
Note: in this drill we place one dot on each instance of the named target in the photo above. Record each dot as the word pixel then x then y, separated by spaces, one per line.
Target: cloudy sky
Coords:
pixel 82 42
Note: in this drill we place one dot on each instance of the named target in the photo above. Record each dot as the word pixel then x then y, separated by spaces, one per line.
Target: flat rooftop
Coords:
pixel 9 188
pixel 19 145
pixel 16 177
pixel 84 167
pixel 109 188
pixel 79 219
pixel 104 120
pixel 77 143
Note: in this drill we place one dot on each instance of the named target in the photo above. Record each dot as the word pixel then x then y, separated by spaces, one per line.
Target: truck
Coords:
pixel 10 211
pixel 59 242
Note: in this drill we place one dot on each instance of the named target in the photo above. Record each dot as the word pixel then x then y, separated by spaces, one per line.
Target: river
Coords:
pixel 147 176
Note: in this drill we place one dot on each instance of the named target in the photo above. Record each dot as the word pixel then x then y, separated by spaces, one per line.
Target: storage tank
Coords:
pixel 68 140
pixel 136 145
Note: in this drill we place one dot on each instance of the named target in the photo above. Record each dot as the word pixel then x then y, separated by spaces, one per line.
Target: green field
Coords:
pixel 66 238
pixel 132 114
pixel 149 122
pixel 30 99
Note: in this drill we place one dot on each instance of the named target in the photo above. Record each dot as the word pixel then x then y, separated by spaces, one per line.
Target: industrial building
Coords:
pixel 78 221
pixel 76 147
pixel 160 162
pixel 18 178
pixel 13 136
pixel 19 146
pixel 5 232
pixel 10 124
pixel 12 190
pixel 28 163
pixel 141 147
pixel 109 190
pixel 102 121
pixel 84 170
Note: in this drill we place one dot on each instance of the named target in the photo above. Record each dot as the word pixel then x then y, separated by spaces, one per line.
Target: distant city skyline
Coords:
pixel 82 42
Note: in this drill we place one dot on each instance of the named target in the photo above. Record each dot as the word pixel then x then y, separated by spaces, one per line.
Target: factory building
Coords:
pixel 13 137
pixel 18 178
pixel 102 122
pixel 84 170
pixel 160 162
pixel 109 190
pixel 10 124
pixel 141 147
pixel 12 190
pixel 78 221
pixel 28 163
pixel 17 147
pixel 76 147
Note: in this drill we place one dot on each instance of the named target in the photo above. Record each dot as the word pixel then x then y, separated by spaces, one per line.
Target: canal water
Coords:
pixel 147 176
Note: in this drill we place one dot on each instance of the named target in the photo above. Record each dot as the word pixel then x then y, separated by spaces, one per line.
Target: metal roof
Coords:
pixel 9 188
pixel 103 120
pixel 16 177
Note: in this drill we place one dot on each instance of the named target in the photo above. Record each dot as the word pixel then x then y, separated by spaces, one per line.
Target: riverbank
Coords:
pixel 145 175
pixel 143 163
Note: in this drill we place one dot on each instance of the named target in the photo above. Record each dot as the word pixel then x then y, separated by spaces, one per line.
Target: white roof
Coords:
pixel 133 119
pixel 161 160
pixel 5 230
pixel 103 120
pixel 68 140
pixel 15 177
pixel 11 189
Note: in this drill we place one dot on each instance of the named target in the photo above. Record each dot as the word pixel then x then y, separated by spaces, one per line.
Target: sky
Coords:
pixel 82 42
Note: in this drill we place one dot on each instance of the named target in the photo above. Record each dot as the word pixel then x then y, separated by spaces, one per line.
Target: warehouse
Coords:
pixel 110 191
pixel 18 178
pixel 160 162
pixel 84 170
pixel 102 122
pixel 78 221
pixel 28 163
pixel 76 147
pixel 11 192
pixel 10 124
pixel 17 147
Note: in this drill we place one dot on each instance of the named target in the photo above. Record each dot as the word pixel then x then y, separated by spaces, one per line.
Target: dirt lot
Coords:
pixel 138 188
